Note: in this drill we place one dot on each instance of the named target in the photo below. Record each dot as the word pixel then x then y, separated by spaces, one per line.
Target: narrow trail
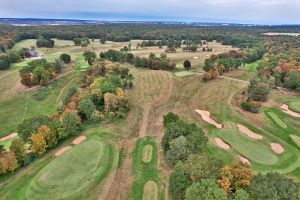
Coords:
pixel 225 77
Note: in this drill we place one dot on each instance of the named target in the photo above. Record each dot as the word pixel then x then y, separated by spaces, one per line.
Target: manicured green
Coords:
pixel 276 119
pixel 296 139
pixel 295 106
pixel 76 174
pixel 255 151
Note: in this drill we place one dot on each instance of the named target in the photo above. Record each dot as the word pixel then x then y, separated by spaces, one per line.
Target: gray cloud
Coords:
pixel 244 11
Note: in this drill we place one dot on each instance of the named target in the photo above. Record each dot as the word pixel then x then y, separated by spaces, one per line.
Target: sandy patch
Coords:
pixel 285 108
pixel 147 153
pixel 277 148
pixel 206 117
pixel 79 140
pixel 8 137
pixel 249 133
pixel 244 160
pixel 222 144
pixel 62 150
pixel 150 191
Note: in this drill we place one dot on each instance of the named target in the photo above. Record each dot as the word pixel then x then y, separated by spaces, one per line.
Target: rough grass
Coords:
pixel 147 153
pixel 276 119
pixel 76 174
pixel 142 171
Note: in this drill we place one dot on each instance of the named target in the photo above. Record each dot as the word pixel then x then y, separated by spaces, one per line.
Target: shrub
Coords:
pixel 65 57
pixel 251 106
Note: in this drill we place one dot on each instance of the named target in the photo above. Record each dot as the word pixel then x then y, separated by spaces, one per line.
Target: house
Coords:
pixel 33 53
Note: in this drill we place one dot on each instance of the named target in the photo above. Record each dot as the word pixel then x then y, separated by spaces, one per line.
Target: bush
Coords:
pixel 65 57
pixel 251 106
pixel 41 94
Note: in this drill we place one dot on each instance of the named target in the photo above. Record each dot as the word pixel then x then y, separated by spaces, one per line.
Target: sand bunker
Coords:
pixel 285 108
pixel 62 150
pixel 9 137
pixel 147 153
pixel 244 160
pixel 222 144
pixel 150 191
pixel 249 133
pixel 79 140
pixel 206 117
pixel 277 148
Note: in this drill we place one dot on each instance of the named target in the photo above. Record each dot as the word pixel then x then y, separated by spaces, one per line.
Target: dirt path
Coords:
pixel 229 78
pixel 119 187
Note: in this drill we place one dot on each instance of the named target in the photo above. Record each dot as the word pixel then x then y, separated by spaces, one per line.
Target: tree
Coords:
pixel 273 186
pixel 187 64
pixel 196 141
pixel 178 150
pixel 86 108
pixel 48 135
pixel 4 62
pixel 207 189
pixel 65 57
pixel 237 176
pixel 240 194
pixel 29 126
pixel 70 123
pixel 18 148
pixel 179 181
pixel 169 118
pixel 8 162
pixel 38 143
pixel 89 57
pixel 203 167
pixel 257 90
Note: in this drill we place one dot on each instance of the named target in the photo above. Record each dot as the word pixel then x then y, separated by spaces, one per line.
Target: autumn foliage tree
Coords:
pixel 8 162
pixel 48 135
pixel 18 148
pixel 235 176
pixel 38 143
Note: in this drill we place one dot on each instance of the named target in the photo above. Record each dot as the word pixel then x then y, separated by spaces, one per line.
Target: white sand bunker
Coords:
pixel 63 150
pixel 9 137
pixel 150 191
pixel 277 148
pixel 222 144
pixel 244 160
pixel 79 140
pixel 206 117
pixel 249 133
pixel 285 108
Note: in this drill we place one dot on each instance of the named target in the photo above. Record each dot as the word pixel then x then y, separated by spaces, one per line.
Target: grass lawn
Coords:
pixel 77 174
pixel 143 171
pixel 184 73
pixel 251 67
pixel 296 139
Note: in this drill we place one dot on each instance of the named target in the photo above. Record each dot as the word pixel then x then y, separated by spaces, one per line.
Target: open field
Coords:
pixel 197 58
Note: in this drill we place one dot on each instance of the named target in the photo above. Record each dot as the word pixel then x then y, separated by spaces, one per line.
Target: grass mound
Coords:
pixel 147 153
pixel 184 73
pixel 255 151
pixel 296 139
pixel 150 191
pixel 276 119
pixel 74 174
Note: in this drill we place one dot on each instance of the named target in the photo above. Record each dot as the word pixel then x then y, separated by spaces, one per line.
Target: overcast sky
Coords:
pixel 240 11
